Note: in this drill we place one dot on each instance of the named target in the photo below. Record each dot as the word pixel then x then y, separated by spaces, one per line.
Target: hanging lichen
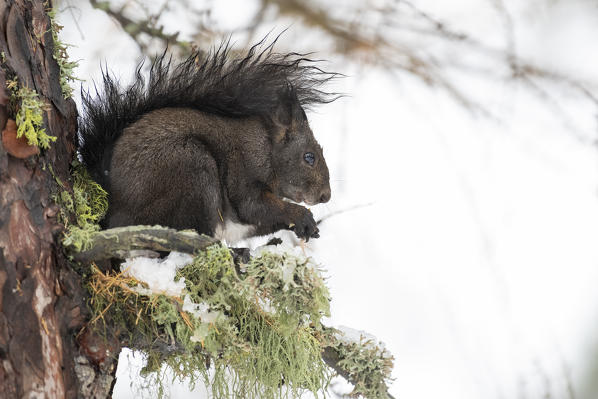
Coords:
pixel 67 68
pixel 366 362
pixel 230 321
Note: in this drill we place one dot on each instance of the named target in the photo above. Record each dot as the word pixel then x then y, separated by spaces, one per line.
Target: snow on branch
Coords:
pixel 247 328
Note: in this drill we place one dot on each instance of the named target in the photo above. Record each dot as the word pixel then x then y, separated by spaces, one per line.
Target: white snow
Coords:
pixel 200 310
pixel 348 335
pixel 302 253
pixel 159 274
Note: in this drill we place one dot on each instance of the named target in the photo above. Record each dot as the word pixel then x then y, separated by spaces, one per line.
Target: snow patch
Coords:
pixel 283 249
pixel 200 310
pixel 349 336
pixel 159 274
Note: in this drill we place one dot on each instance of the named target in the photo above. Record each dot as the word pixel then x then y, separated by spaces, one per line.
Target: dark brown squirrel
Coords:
pixel 215 143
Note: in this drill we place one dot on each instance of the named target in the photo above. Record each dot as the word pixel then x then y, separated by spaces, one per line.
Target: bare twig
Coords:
pixel 341 211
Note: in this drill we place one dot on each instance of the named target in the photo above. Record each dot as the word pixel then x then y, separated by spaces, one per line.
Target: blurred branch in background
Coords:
pixel 398 36
pixel 144 26
pixel 135 28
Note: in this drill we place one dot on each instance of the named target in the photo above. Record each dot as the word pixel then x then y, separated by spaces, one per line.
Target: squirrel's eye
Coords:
pixel 310 158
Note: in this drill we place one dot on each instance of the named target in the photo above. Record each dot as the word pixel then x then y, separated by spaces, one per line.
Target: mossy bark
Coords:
pixel 41 297
pixel 119 242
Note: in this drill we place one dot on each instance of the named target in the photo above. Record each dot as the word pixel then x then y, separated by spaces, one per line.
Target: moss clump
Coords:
pixel 91 200
pixel 273 339
pixel 29 117
pixel 231 328
pixel 367 363
pixel 292 286
pixel 88 203
pixel 67 68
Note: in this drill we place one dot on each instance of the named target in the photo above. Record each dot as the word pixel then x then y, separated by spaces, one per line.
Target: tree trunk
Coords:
pixel 42 306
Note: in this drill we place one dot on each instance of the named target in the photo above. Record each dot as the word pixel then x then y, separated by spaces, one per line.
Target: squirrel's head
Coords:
pixel 297 158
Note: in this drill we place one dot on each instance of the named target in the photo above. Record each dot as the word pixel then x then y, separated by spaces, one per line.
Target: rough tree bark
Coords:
pixel 41 300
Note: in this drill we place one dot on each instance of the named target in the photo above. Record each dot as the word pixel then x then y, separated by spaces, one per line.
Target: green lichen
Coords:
pixel 91 200
pixel 368 365
pixel 29 117
pixel 249 341
pixel 67 68
pixel 292 285
pixel 88 202
pixel 66 199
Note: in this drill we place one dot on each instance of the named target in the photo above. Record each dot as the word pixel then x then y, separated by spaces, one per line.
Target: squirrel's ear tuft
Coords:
pixel 287 117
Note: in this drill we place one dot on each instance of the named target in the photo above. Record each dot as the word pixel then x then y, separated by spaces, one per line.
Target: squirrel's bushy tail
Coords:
pixel 218 82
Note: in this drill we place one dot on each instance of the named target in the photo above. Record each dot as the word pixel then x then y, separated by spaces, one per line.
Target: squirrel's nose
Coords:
pixel 325 195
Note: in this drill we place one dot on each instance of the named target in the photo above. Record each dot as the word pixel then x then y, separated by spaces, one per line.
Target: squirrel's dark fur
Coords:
pixel 214 143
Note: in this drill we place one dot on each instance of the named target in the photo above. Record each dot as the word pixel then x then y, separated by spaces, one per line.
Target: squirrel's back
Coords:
pixel 213 82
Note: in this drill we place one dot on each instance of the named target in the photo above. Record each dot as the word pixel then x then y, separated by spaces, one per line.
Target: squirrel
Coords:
pixel 216 143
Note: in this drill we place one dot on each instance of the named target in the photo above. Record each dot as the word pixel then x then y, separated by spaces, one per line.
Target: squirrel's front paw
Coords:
pixel 305 225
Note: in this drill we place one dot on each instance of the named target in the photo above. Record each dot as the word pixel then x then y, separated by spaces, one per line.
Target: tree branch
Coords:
pixel 120 241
